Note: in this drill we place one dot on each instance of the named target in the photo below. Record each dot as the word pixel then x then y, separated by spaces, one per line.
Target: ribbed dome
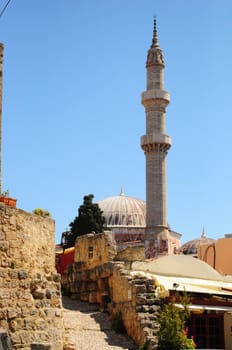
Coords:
pixel 191 247
pixel 123 211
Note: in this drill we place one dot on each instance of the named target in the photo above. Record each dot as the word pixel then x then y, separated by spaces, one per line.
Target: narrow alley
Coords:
pixel 86 328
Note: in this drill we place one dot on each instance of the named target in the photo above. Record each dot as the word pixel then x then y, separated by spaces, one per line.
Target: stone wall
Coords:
pixel 30 297
pixel 127 295
pixel 95 249
pixel 129 254
pixel 91 285
pixel 134 298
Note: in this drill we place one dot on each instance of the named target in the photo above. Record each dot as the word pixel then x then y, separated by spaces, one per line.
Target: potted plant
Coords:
pixel 7 200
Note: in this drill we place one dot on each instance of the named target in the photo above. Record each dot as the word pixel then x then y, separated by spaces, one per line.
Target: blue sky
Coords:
pixel 72 117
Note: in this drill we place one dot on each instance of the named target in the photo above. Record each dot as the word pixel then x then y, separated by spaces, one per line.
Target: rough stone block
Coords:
pixel 91 286
pixel 42 346
pixel 69 346
pixel 39 293
pixel 141 288
pixel 84 296
pixel 2 235
pixel 4 246
pixel 93 298
pixel 23 274
pixel 11 235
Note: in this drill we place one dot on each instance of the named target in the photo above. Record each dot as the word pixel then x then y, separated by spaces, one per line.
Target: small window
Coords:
pixel 90 252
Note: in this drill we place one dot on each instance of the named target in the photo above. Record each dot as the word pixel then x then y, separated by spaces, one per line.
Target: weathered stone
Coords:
pixel 40 346
pixel 26 295
pixel 25 284
pixel 26 337
pixel 22 274
pixel 3 272
pixel 3 314
pixel 70 346
pixel 141 299
pixel 91 286
pixel 4 294
pixel 4 246
pixel 13 274
pixel 2 236
pixel 50 312
pixel 138 281
pixel 58 313
pixel 101 242
pixel 39 293
pixel 13 313
pixel 56 277
pixel 12 220
pixel 51 294
pixel 29 324
pixel 11 235
pixel 93 297
pixel 113 287
pixel 15 338
pixel 135 253
pixel 140 288
pixel 27 270
pixel 84 296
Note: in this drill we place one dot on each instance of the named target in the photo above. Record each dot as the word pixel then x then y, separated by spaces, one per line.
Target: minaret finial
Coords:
pixel 155 55
pixel 203 235
pixel 122 192
pixel 155 41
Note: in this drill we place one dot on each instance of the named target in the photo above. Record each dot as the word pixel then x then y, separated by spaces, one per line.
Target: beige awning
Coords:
pixel 194 285
pixel 206 307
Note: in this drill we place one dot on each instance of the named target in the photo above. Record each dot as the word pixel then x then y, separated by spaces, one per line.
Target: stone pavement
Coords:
pixel 86 328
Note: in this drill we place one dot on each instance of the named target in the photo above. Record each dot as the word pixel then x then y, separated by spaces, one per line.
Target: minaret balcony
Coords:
pixel 155 96
pixel 157 142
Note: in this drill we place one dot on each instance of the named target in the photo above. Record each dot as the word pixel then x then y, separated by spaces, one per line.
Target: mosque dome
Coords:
pixel 191 247
pixel 123 211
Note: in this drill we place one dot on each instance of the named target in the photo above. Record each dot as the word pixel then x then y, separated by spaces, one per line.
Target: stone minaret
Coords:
pixel 1 61
pixel 155 145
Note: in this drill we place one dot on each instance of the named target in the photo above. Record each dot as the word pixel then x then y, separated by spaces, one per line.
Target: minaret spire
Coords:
pixel 155 41
pixel 155 54
pixel 155 144
pixel 203 235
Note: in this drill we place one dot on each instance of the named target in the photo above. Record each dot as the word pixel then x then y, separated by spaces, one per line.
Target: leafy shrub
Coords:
pixel 144 346
pixel 41 212
pixel 173 334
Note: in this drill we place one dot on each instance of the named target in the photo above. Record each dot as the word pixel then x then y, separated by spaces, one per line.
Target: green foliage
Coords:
pixel 173 334
pixel 6 193
pixel 89 219
pixel 41 212
pixel 144 346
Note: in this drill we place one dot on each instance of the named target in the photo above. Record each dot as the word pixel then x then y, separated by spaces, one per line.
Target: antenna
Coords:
pixel 4 8
pixel 1 61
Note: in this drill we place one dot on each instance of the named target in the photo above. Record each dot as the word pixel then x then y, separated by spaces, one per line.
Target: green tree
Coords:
pixel 90 219
pixel 173 333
